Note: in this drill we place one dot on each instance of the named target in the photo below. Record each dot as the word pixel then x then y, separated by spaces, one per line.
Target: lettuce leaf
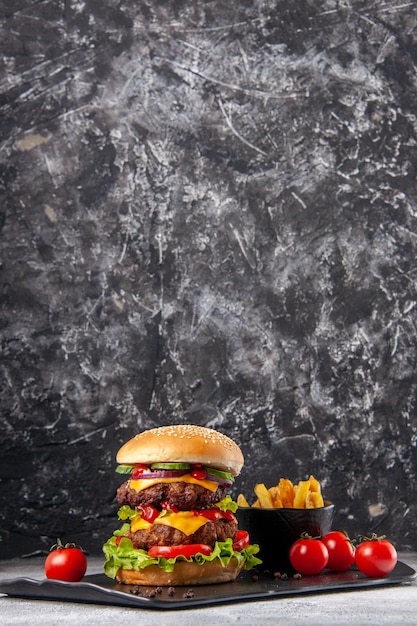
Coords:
pixel 126 512
pixel 227 504
pixel 126 556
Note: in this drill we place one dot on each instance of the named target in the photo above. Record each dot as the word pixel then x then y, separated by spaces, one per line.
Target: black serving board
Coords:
pixel 98 589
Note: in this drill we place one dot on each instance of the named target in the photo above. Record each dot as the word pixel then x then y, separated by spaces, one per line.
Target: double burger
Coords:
pixel 179 526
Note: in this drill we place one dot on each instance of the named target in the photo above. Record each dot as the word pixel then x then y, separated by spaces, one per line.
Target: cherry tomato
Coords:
pixel 340 549
pixel 67 563
pixel 187 551
pixel 241 540
pixel 308 556
pixel 375 556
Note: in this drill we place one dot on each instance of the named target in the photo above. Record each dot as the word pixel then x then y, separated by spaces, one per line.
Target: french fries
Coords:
pixel 241 500
pixel 301 494
pixel 305 495
pixel 287 492
pixel 264 497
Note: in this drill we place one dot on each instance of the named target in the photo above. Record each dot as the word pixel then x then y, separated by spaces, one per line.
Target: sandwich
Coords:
pixel 178 521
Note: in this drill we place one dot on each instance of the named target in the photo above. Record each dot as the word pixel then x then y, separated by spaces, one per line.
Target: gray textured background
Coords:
pixel 208 215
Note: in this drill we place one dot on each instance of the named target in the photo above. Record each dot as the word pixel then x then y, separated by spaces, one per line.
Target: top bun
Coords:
pixel 184 443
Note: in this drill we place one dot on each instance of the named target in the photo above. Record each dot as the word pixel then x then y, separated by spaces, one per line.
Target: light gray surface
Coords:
pixel 383 605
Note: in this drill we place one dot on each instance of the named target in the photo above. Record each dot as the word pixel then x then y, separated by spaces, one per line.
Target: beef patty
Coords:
pixel 183 496
pixel 160 535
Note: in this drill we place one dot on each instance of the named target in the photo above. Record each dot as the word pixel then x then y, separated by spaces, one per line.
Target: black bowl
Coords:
pixel 275 530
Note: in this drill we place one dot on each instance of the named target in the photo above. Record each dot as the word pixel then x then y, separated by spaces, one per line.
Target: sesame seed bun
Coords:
pixel 183 443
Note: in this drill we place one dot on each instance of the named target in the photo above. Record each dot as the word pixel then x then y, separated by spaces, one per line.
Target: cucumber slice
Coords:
pixel 124 469
pixel 220 474
pixel 170 466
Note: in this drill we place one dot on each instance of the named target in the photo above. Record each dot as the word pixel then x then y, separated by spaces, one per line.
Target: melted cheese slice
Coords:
pixel 143 483
pixel 186 521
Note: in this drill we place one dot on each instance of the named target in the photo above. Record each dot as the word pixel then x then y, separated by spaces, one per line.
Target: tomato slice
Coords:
pixel 138 470
pixel 169 552
pixel 169 507
pixel 210 514
pixel 215 514
pixel 149 513
pixel 241 541
pixel 228 516
pixel 119 538
pixel 198 472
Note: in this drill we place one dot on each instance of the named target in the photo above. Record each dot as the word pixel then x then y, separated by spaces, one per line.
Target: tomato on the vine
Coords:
pixel 67 563
pixel 308 556
pixel 375 556
pixel 340 549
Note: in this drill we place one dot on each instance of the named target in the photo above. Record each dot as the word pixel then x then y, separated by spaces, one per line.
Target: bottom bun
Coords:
pixel 184 573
